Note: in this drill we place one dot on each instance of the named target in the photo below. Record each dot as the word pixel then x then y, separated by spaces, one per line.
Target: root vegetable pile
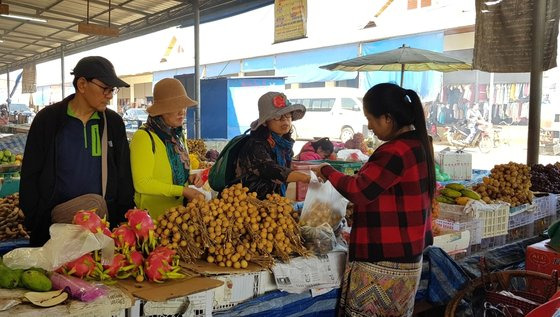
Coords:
pixel 11 219
pixel 233 230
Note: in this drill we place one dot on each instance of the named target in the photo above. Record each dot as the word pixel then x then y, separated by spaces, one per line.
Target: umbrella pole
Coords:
pixel 402 74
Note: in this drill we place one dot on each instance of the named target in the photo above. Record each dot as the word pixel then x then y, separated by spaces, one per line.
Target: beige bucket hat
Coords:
pixel 169 96
pixel 274 104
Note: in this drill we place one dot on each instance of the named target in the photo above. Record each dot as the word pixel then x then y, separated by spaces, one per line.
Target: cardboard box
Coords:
pixel 458 165
pixel 161 292
pixel 540 258
pixel 453 242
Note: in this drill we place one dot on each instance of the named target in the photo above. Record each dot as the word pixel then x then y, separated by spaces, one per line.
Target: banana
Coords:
pixel 455 186
pixel 445 199
pixel 471 194
pixel 451 193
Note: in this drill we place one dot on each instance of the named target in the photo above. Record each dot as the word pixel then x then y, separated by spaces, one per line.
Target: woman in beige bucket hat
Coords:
pixel 264 161
pixel 158 152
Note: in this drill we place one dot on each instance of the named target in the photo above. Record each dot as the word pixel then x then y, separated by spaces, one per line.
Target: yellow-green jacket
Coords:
pixel 151 175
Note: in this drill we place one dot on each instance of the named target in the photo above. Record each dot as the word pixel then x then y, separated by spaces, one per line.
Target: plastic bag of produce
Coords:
pixel 77 288
pixel 322 204
pixel 67 243
pixel 320 239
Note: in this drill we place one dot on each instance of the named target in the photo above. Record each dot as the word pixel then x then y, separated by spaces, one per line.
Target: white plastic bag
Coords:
pixel 346 155
pixel 322 204
pixel 67 243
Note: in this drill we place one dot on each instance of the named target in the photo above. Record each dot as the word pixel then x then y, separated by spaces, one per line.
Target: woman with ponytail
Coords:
pixel 392 196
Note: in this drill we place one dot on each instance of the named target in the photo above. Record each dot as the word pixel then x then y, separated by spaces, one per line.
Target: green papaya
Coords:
pixel 455 186
pixel 450 193
pixel 470 193
pixel 36 281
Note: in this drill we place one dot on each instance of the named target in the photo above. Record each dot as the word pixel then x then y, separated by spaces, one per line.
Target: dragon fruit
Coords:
pixel 124 237
pixel 136 260
pixel 118 268
pixel 81 267
pixel 143 226
pixel 158 266
pixel 88 219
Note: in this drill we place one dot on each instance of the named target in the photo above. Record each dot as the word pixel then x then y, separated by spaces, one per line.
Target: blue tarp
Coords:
pixel 282 304
pixel 303 67
pixel 427 84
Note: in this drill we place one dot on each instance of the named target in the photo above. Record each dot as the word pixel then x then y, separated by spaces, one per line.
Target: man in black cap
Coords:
pixel 64 153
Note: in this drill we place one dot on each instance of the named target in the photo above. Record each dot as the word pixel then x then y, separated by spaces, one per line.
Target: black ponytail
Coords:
pixel 420 126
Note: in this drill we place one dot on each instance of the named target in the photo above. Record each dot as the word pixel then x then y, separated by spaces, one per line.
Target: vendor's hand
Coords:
pixel 317 171
pixel 191 193
pixel 196 180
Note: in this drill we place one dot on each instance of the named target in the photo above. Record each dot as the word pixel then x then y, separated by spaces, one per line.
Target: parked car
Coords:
pixel 136 114
pixel 334 112
pixel 16 108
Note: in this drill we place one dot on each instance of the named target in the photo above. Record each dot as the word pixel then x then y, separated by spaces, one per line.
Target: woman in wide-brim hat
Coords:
pixel 159 155
pixel 264 161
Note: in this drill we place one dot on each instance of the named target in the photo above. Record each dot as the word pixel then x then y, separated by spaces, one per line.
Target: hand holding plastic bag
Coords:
pixel 323 203
pixel 67 243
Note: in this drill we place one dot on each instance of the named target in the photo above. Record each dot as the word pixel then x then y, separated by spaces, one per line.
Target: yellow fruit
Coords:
pixel 462 200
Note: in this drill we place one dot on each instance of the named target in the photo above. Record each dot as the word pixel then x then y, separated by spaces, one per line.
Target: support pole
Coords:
pixel 533 139
pixel 197 122
pixel 62 70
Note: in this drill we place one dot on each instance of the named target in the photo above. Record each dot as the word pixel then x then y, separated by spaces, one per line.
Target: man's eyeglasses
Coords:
pixel 106 90
pixel 287 116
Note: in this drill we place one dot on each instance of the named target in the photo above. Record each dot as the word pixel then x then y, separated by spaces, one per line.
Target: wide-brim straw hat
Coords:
pixel 274 104
pixel 169 96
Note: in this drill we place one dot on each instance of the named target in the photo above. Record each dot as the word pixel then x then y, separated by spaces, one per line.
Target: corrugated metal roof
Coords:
pixel 27 41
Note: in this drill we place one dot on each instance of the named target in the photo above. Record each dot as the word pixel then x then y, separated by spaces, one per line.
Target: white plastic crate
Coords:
pixel 496 219
pixel 545 206
pixel 474 226
pixel 523 218
pixel 238 288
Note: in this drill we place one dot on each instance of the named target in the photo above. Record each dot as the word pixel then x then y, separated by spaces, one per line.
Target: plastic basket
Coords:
pixel 521 232
pixel 521 219
pixel 474 226
pixel 545 206
pixel 487 243
pixel 540 225
pixel 496 219
pixel 454 212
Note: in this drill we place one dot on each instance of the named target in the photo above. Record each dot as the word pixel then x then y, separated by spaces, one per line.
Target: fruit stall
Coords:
pixel 234 254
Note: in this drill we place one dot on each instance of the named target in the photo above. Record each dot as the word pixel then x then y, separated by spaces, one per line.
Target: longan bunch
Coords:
pixel 233 230
pixel 507 182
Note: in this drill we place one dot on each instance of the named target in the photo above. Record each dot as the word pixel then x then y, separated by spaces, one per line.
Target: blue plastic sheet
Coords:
pixel 282 304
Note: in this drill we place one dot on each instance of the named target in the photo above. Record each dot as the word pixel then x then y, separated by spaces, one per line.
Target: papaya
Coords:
pixel 455 186
pixel 450 193
pixel 445 199
pixel 36 281
pixel 462 200
pixel 470 193
pixel 9 278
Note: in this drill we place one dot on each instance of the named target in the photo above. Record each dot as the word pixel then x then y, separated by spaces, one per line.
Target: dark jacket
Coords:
pixel 38 171
pixel 257 168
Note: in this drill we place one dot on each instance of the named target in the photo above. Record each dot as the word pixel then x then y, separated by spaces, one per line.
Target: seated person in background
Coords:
pixel 316 150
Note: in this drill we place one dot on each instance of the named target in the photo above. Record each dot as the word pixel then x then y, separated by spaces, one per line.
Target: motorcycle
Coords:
pixel 484 137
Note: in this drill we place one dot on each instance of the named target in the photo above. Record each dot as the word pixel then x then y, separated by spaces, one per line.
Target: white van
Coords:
pixel 334 112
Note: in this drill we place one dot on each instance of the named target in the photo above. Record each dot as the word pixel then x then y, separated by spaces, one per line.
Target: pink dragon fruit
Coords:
pixel 158 266
pixel 81 267
pixel 118 268
pixel 141 222
pixel 124 238
pixel 88 219
pixel 136 260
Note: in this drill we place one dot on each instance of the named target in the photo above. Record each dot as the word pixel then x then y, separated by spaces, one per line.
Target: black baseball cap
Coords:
pixel 99 68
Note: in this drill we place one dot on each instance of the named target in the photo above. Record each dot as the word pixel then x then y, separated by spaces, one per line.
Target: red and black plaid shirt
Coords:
pixel 392 220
